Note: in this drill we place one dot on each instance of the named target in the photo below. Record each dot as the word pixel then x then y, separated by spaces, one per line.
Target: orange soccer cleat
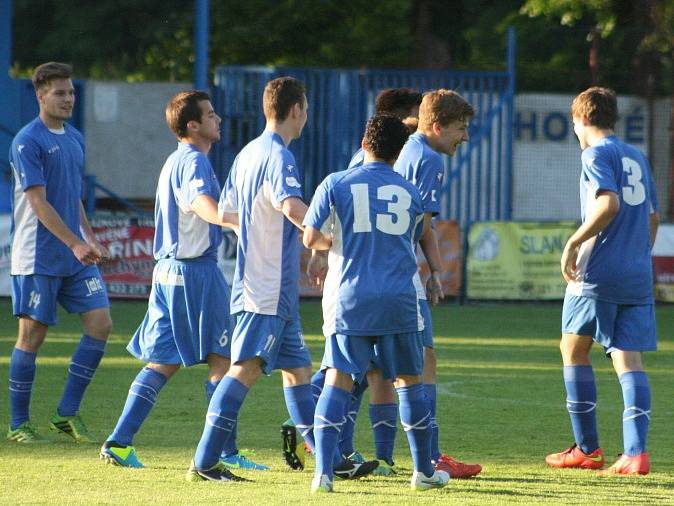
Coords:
pixel 639 464
pixel 456 469
pixel 574 457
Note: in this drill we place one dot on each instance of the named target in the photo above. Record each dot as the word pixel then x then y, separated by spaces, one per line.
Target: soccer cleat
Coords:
pixel 117 455
pixel 422 482
pixel 72 426
pixel 639 464
pixel 218 472
pixel 25 433
pixel 350 470
pixel 321 484
pixel 293 452
pixel 385 469
pixel 356 457
pixel 574 457
pixel 241 461
pixel 456 469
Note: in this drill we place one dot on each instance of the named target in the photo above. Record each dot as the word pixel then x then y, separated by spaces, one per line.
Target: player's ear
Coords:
pixel 363 144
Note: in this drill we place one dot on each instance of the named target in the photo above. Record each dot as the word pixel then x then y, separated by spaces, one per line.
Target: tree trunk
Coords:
pixel 431 52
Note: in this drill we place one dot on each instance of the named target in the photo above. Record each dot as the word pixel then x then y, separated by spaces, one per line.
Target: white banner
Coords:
pixel 5 254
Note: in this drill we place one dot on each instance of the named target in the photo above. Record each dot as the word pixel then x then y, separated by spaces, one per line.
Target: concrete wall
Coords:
pixel 126 134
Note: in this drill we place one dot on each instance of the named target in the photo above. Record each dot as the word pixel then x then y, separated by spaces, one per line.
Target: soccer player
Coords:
pixel 443 125
pixel 187 321
pixel 265 189
pixel 367 218
pixel 54 252
pixel 609 295
pixel 404 104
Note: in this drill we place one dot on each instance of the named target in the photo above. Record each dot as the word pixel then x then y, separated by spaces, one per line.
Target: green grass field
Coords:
pixel 500 403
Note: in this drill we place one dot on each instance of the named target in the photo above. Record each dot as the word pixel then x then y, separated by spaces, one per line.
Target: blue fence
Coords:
pixel 477 179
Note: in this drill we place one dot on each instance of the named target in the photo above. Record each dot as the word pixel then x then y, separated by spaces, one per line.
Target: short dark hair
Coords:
pixel 183 108
pixel 397 101
pixel 45 73
pixel 385 136
pixel 280 95
pixel 599 105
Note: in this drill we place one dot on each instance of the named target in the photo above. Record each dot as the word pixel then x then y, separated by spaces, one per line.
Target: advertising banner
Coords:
pixel 516 261
pixel 128 273
pixel 663 263
pixel 449 241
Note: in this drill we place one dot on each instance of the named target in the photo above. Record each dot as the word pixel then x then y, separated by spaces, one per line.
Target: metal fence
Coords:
pixel 477 179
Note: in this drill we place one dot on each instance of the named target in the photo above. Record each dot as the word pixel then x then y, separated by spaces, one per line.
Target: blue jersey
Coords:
pixel 422 166
pixel 616 265
pixel 179 232
pixel 357 159
pixel 53 159
pixel 266 277
pixel 374 216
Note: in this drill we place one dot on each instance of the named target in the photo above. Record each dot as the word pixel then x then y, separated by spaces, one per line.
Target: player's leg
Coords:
pixel 579 317
pixel 34 304
pixel 22 368
pixel 634 333
pixel 429 378
pixel 384 420
pixel 353 407
pixel 118 448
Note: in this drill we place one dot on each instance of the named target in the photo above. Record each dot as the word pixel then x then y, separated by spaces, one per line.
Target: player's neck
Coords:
pixel 51 122
pixel 202 145
pixel 595 135
pixel 282 128
pixel 370 158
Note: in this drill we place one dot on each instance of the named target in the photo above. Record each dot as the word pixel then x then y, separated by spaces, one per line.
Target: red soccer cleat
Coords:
pixel 575 458
pixel 640 464
pixel 456 469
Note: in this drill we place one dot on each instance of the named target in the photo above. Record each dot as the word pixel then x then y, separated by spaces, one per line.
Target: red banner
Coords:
pixel 128 273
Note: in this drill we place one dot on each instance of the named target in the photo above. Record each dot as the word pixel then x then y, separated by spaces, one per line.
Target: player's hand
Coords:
pixel 317 268
pixel 103 252
pixel 85 253
pixel 434 288
pixel 568 262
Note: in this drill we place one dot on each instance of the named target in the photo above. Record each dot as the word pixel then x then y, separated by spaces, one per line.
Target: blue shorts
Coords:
pixel 621 327
pixel 187 314
pixel 393 354
pixel 35 295
pixel 427 333
pixel 278 342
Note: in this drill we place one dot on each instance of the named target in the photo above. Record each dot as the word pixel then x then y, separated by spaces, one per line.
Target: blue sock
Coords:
pixel 328 422
pixel 140 401
pixel 637 414
pixel 230 447
pixel 416 419
pixel 21 377
pixel 301 406
pixel 83 365
pixel 430 389
pixel 581 403
pixel 384 420
pixel 317 382
pixel 223 411
pixel 352 408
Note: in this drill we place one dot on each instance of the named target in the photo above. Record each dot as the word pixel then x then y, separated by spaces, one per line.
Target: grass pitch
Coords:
pixel 500 403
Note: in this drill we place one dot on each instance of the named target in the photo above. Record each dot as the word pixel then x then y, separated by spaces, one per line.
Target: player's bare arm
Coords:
pixel 654 221
pixel 89 235
pixel 607 206
pixel 429 245
pixel 315 239
pixel 37 197
pixel 294 209
pixel 206 208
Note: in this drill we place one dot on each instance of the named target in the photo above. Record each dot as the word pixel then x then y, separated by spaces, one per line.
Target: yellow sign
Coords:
pixel 517 261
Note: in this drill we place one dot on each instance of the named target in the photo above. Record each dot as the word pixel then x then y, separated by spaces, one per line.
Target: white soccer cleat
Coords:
pixel 321 484
pixel 422 482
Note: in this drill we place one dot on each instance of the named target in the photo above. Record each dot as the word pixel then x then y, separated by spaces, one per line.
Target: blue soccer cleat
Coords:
pixel 241 461
pixel 124 456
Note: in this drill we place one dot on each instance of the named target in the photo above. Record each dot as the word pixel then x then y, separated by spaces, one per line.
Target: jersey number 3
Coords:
pixel 399 201
pixel 634 192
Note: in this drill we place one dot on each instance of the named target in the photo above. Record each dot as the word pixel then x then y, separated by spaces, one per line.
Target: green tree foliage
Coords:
pixel 153 39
